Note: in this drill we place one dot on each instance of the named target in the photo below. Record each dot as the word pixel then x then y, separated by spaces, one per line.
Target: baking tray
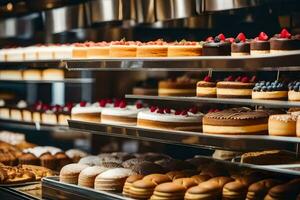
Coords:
pixel 19 184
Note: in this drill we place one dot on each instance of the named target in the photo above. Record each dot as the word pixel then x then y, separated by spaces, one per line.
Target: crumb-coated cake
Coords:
pixel 260 44
pixel 121 113
pixel 218 46
pixel 206 88
pixel 282 125
pixel 165 118
pixel 184 48
pixel 157 48
pixel 275 90
pixel 123 48
pixel 236 121
pixel 240 87
pixel 240 46
pixel 284 42
pixel 182 86
pixel 294 91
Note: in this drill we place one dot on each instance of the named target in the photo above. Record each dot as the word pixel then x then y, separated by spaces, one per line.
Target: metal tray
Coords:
pixel 19 184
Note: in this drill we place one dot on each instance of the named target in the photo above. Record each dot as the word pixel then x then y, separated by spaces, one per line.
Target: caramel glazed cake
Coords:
pixel 236 121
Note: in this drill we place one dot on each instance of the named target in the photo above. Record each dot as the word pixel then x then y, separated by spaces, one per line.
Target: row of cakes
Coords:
pixel 32 74
pixel 213 46
pixel 154 176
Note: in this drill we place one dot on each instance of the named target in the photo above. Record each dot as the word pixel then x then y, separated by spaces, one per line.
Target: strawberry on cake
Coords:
pixel 218 46
pixel 157 48
pixel 284 42
pixel 165 118
pixel 123 48
pixel 260 44
pixel 240 46
pixel 206 88
pixel 184 48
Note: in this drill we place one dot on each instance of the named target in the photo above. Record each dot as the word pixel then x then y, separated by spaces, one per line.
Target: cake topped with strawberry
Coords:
pixel 206 87
pixel 165 118
pixel 158 48
pixel 217 46
pixel 184 48
pixel 240 46
pixel 236 87
pixel 123 48
pixel 260 44
pixel 284 41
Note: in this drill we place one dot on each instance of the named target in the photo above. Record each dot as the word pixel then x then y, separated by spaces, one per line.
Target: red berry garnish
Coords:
pixel 160 111
pixel 285 34
pixel 239 78
pixel 123 104
pixel 56 108
pixel 153 109
pixel 177 112
pixel 46 107
pixel 263 36
pixel 209 39
pixel 193 110
pixel 216 110
pixel 82 103
pixel 139 105
pixel 117 104
pixel 229 78
pixel 102 103
pixel 207 79
pixel 184 112
pixel 222 37
pixel 167 110
pixel 241 37
pixel 109 101
pixel 231 40
pixel 253 79
pixel 245 79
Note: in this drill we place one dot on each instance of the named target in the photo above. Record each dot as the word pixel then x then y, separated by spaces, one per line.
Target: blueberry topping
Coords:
pixel 269 88
pixel 264 88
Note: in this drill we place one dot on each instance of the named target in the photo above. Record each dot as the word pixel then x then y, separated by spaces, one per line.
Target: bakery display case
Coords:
pixel 149 100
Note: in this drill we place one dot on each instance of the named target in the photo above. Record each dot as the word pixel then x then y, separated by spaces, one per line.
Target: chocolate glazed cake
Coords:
pixel 236 121
pixel 260 44
pixel 240 46
pixel 219 46
pixel 284 42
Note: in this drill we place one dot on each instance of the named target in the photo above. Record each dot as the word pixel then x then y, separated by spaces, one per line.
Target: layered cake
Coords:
pixel 45 52
pixel 63 52
pixel 147 87
pixel 182 86
pixel 157 48
pixel 240 87
pixel 218 46
pixel 53 74
pixel 236 121
pixel 79 50
pixel 11 74
pixel 121 113
pixel 206 88
pixel 123 48
pixel 294 91
pixel 98 50
pixel 282 125
pixel 159 118
pixel 65 114
pixel 90 112
pixel 32 74
pixel 30 53
pixel 240 46
pixel 15 54
pixel 4 111
pixel 50 115
pixel 184 48
pixel 16 113
pixel 260 44
pixel 284 42
pixel 275 90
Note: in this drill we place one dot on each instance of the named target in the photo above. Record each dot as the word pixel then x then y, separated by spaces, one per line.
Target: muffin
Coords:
pixel 28 159
pixel 48 161
pixel 70 173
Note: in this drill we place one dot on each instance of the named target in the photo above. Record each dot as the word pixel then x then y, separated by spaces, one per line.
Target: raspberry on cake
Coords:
pixel 165 118
pixel 294 91
pixel 98 50
pixel 157 48
pixel 123 48
pixel 236 121
pixel 260 44
pixel 182 86
pixel 218 46
pixel 240 46
pixel 284 42
pixel 184 48
pixel 240 87
pixel 206 88
pixel 275 90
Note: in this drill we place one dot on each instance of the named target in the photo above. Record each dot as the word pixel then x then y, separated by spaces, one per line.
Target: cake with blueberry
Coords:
pixel 165 118
pixel 284 42
pixel 282 125
pixel 90 112
pixel 206 88
pixel 236 121
pixel 98 50
pixel 260 45
pixel 182 86
pixel 218 46
pixel 184 48
pixel 157 48
pixel 240 46
pixel 240 87
pixel 121 113
pixel 294 91
pixel 123 48
pixel 275 90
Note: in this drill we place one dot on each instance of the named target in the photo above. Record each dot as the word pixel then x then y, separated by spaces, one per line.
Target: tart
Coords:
pixel 184 48
pixel 182 86
pixel 98 50
pixel 206 88
pixel 123 49
pixel 157 48
pixel 260 45
pixel 240 46
pixel 236 121
pixel 218 46
pixel 284 42
pixel 275 90
pixel 282 125
pixel 294 91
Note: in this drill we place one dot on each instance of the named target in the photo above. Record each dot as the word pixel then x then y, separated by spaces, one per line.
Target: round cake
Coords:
pixel 241 87
pixel 240 46
pixel 282 125
pixel 157 48
pixel 294 91
pixel 260 44
pixel 182 86
pixel 184 48
pixel 79 50
pixel 236 121
pixel 147 87
pixel 284 42
pixel 218 46
pixel 275 90
pixel 159 118
pixel 123 49
pixel 206 88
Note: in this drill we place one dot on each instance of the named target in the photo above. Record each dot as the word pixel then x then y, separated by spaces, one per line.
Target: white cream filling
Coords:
pixel 94 108
pixel 128 111
pixel 230 91
pixel 206 90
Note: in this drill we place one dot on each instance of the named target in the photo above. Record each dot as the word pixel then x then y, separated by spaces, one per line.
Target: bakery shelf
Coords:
pixel 244 102
pixel 53 189
pixel 66 80
pixel 287 61
pixel 32 64
pixel 13 194
pixel 192 139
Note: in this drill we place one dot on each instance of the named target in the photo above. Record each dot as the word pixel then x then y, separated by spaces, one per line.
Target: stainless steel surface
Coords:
pixel 66 80
pixel 33 64
pixel 220 5
pixel 231 101
pixel 145 11
pixel 229 142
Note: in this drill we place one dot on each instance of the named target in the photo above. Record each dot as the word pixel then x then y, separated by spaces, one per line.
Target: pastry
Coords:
pixel 241 87
pixel 27 115
pixel 128 183
pixel 238 121
pixel 32 74
pixel 166 191
pixel 4 111
pixel 53 74
pixel 147 87
pixel 30 53
pixel 98 50
pixel 206 88
pixel 10 74
pixel 200 178
pixel 182 86
pixel 275 90
pixel 282 125
pixel 123 48
pixel 132 162
pixel 48 161
pixel 62 52
pixel 16 113
pixel 294 91
pixel 80 50
pixel 15 175
pixel 61 160
pixel 65 114
pixel 146 168
pixel 156 48
pixel 288 190
pixel 184 48
pixel 75 154
pixel 175 165
pixel 29 159
pixel 159 118
pixel 50 115
pixel 91 161
pixel 260 45
pixel 38 171
pixel 112 179
pixel 218 46
pixel 70 173
pixel 14 54
pixel 45 52
pixel 260 189
pixel 88 175
pixel 284 42
pixel 240 46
